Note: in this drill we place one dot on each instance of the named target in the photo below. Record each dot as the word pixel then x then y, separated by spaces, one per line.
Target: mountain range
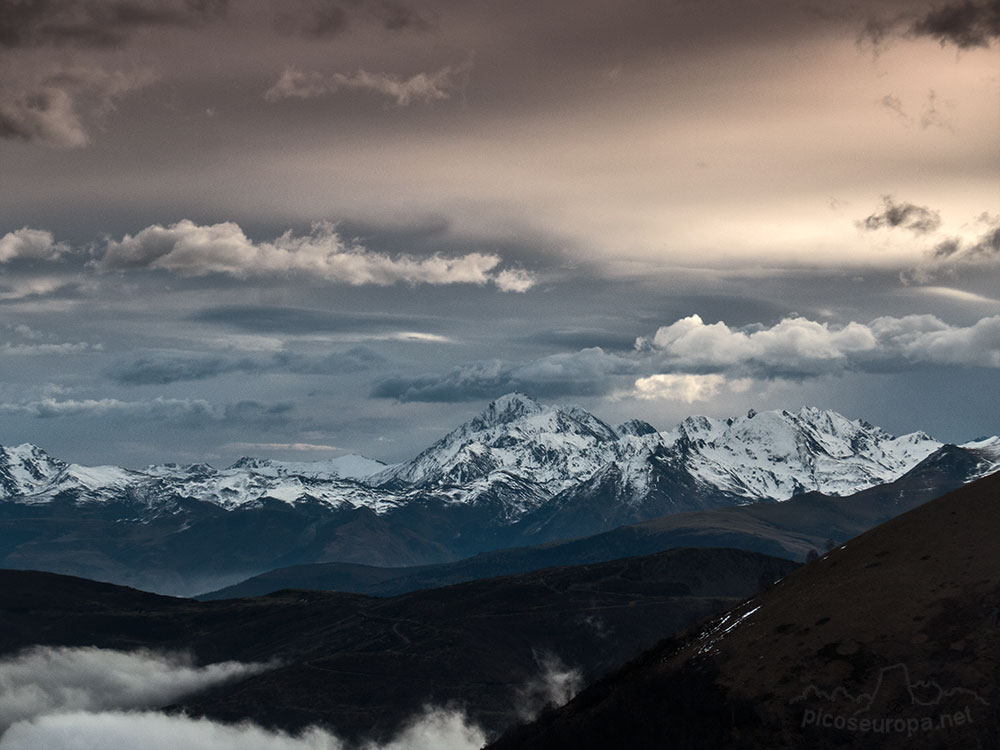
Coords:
pixel 792 529
pixel 520 473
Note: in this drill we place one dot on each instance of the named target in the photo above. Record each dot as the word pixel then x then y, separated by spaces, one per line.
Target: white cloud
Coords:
pixel 47 109
pixel 426 87
pixel 417 336
pixel 45 680
pixel 686 388
pixel 41 349
pixel 23 340
pixel 957 295
pixel 190 249
pixel 925 338
pixel 791 343
pixel 802 347
pixel 555 685
pixel 38 286
pixel 36 244
pixel 436 730
pixel 73 698
pixel 515 280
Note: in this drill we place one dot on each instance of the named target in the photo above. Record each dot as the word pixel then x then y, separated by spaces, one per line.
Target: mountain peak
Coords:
pixel 635 427
pixel 26 468
pixel 506 409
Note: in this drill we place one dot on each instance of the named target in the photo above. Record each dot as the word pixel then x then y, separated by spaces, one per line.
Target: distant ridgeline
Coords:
pixel 519 474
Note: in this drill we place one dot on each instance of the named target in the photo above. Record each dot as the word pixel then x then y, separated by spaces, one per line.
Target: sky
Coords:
pixel 308 228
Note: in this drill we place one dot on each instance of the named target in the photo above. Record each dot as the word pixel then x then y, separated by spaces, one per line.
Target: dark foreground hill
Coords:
pixel 892 641
pixel 789 529
pixel 363 665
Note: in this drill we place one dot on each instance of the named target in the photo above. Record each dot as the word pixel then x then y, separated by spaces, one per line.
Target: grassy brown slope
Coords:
pixel 916 600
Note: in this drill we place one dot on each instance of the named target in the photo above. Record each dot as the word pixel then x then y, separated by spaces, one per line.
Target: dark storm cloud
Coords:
pixel 162 369
pixel 590 372
pixel 583 338
pixel 966 24
pixel 292 320
pixel 917 219
pixel 356 359
pixel 952 254
pixel 319 20
pixel 185 411
pixel 322 19
pixel 397 16
pixel 97 23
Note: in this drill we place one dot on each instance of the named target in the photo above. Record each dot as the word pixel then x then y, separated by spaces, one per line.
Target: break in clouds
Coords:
pixel 691 360
pixel 68 698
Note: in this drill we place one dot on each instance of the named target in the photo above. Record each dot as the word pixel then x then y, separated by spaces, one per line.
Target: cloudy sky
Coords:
pixel 304 228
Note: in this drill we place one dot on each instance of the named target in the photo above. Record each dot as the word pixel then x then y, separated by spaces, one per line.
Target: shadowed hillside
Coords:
pixel 363 665
pixel 891 641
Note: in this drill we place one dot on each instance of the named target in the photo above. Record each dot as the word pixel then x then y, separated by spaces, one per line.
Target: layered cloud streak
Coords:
pixel 188 249
pixel 691 360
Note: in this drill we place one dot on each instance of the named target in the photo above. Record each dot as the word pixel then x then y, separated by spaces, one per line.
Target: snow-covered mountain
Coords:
pixel 551 446
pixel 521 473
pixel 778 454
pixel 29 475
pixel 343 467
pixel 761 456
pixel 517 455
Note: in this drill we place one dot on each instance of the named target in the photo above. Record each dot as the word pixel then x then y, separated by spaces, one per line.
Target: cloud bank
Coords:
pixel 435 730
pixel 101 25
pixel 588 372
pixel 801 347
pixel 193 411
pixel 72 698
pixel 165 368
pixel 691 360
pixel 965 24
pixel 34 244
pixel 189 249
pixel 45 680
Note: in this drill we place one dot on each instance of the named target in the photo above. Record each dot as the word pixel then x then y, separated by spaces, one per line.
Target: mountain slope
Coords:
pixel 789 529
pixel 364 665
pixel 897 631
